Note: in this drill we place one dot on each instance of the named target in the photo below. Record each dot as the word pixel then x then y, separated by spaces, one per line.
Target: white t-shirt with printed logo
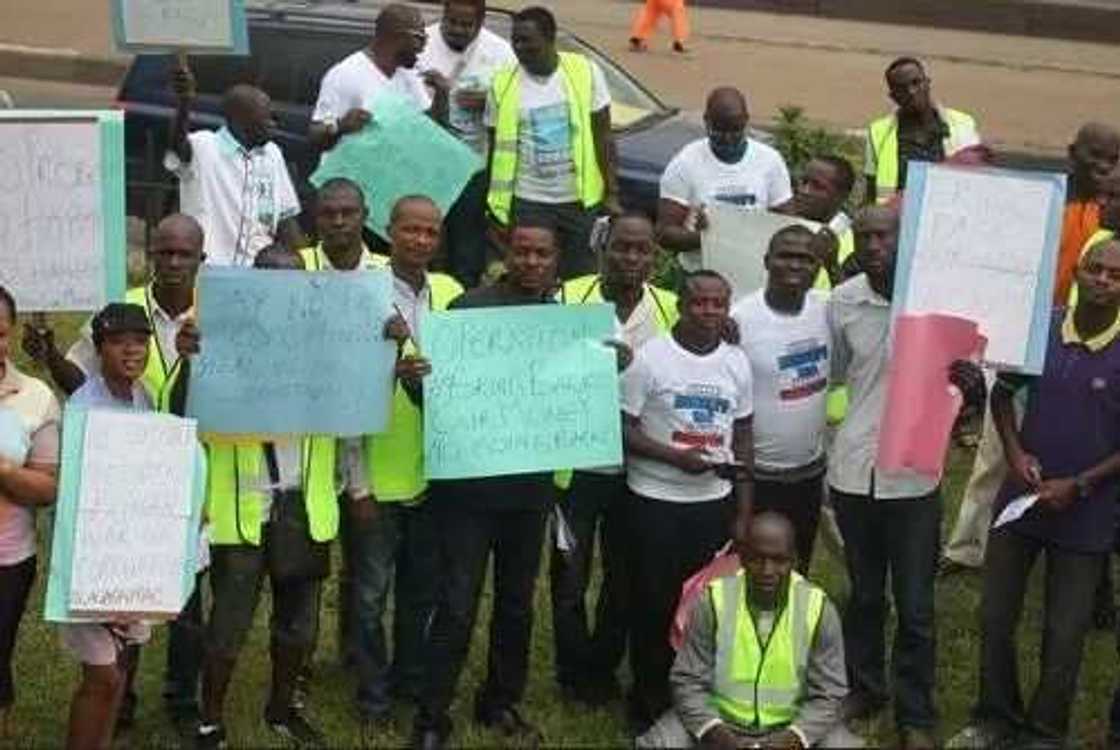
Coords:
pixel 695 178
pixel 546 172
pixel 685 400
pixel 470 70
pixel 355 82
pixel 790 357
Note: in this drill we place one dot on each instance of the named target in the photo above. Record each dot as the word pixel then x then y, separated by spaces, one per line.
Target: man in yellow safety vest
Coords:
pixel 549 122
pixel 762 663
pixel 919 130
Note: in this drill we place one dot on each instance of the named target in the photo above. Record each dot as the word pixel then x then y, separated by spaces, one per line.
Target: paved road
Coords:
pixel 1028 93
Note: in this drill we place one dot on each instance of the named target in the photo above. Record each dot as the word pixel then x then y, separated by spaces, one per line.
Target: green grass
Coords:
pixel 46 675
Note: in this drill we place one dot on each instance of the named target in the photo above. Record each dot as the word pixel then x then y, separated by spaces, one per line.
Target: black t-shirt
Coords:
pixel 920 142
pixel 514 492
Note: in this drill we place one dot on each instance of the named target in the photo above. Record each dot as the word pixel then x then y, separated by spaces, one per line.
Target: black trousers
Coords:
pixel 465 233
pixel 15 586
pixel 1070 586
pixel 186 644
pixel 800 502
pixel 899 538
pixel 593 502
pixel 671 541
pixel 468 538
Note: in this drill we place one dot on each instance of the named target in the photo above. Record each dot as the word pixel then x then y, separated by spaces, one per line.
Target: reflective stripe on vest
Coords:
pixel 234 506
pixel 755 685
pixel 395 458
pixel 883 135
pixel 158 367
pixel 575 72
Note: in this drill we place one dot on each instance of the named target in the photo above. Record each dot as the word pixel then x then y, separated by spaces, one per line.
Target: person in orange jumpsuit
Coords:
pixel 645 23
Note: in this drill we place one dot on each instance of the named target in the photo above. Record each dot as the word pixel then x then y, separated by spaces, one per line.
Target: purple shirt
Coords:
pixel 1072 423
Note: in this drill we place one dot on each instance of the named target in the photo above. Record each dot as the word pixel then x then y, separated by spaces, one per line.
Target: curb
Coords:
pixel 65 65
pixel 1055 20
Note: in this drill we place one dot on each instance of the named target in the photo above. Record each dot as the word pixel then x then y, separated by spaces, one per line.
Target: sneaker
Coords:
pixel 983 735
pixel 508 723
pixel 679 48
pixel 209 737
pixel 637 45
pixel 297 730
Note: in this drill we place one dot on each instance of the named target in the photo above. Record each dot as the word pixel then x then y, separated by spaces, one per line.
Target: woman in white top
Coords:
pixel 29 436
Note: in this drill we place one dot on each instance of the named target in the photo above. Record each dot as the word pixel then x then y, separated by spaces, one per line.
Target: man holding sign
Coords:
pixel 891 522
pixel 272 511
pixel 687 407
pixel 728 166
pixel 504 516
pixel 233 180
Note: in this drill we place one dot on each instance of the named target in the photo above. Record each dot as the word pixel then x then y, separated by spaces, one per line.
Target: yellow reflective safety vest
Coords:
pixel 234 499
pixel 882 137
pixel 160 364
pixel 1096 237
pixel 395 458
pixel 575 70
pixel 846 245
pixel 587 290
pixel 756 684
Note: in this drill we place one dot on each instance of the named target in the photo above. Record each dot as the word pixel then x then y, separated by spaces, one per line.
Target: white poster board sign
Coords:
pixel 735 243
pixel 62 224
pixel 982 244
pixel 204 26
pixel 134 513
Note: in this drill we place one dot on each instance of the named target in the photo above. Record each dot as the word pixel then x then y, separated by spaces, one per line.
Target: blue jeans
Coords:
pixel 900 537
pixel 397 548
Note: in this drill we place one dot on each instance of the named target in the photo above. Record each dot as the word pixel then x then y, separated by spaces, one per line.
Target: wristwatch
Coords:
pixel 1084 486
pixel 332 127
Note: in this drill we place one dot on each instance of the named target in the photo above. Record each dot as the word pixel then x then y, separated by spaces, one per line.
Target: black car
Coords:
pixel 293 44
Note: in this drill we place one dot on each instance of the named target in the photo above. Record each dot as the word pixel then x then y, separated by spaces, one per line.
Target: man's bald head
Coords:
pixel 726 102
pixel 248 113
pixel 770 526
pixel 180 227
pixel 1097 133
pixel 176 253
pixel 397 17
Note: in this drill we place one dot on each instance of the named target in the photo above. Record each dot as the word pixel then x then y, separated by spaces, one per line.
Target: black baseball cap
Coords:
pixel 120 317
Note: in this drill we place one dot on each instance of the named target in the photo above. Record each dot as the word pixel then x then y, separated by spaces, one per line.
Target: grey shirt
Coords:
pixel 860 323
pixel 693 675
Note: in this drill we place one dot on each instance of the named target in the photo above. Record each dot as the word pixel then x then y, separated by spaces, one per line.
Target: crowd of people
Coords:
pixel 749 426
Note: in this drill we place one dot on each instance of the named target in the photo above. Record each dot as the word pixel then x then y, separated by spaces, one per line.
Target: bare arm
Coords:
pixel 742 446
pixel 605 155
pixel 290 234
pixel 185 89
pixel 32 486
pixel 671 231
pixel 38 343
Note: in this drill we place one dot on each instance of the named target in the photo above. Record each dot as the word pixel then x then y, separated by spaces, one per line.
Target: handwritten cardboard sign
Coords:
pixel 203 26
pixel 292 352
pixel 127 522
pixel 520 389
pixel 62 215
